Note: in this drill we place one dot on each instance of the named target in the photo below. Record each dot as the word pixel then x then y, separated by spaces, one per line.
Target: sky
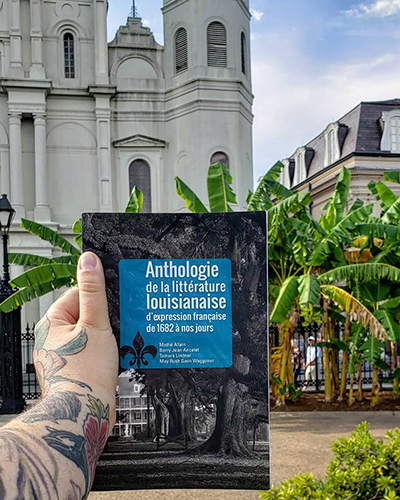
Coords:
pixel 312 62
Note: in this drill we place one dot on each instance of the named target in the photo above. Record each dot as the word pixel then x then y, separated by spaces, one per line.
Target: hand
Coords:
pixel 75 348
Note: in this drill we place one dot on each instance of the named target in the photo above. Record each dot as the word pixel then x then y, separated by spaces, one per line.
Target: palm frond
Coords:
pixel 362 273
pixel 44 274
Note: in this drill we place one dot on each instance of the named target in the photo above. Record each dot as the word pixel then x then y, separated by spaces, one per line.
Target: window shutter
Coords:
pixel 181 51
pixel 243 47
pixel 216 45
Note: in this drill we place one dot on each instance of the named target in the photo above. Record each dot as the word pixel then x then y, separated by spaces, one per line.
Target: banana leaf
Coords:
pixel 377 230
pixel 26 294
pixel 49 235
pixel 192 201
pixel 361 272
pixel 392 176
pixel 389 323
pixel 293 204
pixel 310 289
pixel 337 202
pixel 353 306
pixel 135 202
pixel 220 192
pixel 284 303
pixel 386 195
pixel 339 234
pixel 24 259
pixel 44 274
pixel 392 215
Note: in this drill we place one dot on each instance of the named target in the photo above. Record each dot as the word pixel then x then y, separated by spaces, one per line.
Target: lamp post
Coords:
pixel 10 328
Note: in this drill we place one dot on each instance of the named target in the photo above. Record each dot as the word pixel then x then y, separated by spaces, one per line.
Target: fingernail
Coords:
pixel 87 261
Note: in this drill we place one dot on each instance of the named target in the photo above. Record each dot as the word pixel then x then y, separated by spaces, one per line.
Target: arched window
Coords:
pixel 219 156
pixel 216 45
pixel 181 51
pixel 395 134
pixel 69 56
pixel 139 175
pixel 243 47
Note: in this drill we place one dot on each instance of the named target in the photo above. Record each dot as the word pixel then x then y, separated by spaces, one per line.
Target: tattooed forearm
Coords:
pixel 39 447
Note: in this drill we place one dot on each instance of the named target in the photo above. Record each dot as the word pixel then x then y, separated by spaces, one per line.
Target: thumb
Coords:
pixel 93 309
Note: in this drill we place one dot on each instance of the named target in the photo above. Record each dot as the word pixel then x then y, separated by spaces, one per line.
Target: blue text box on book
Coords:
pixel 175 313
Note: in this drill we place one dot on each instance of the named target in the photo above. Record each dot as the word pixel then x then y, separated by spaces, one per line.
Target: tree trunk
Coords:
pixel 396 387
pixel 162 415
pixel 180 411
pixel 375 386
pixel 334 355
pixel 345 362
pixel 233 414
pixel 360 395
pixel 286 367
pixel 351 397
pixel 327 374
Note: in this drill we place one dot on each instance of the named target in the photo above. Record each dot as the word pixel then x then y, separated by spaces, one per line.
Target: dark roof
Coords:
pixel 360 131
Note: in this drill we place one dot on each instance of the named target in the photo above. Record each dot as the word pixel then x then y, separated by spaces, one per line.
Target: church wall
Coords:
pixel 77 18
pixel 71 157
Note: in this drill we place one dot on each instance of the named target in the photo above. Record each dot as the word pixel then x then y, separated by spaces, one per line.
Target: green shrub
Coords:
pixel 363 469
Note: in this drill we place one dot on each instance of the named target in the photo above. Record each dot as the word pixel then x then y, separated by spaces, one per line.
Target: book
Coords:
pixel 187 296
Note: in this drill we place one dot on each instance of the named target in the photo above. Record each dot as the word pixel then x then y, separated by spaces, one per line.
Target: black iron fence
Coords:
pixel 300 337
pixel 30 386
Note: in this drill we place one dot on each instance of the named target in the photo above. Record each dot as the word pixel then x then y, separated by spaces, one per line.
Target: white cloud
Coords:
pixel 257 14
pixel 378 8
pixel 297 97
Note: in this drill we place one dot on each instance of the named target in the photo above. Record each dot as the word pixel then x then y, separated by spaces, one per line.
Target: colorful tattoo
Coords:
pixel 75 426
pixel 49 362
pixel 84 450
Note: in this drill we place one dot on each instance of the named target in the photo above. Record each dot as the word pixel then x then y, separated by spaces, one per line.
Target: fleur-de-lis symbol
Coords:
pixel 138 351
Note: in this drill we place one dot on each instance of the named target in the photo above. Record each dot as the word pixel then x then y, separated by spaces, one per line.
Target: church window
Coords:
pixel 219 156
pixel 181 51
pixel 395 134
pixel 69 56
pixel 243 52
pixel 216 45
pixel 139 175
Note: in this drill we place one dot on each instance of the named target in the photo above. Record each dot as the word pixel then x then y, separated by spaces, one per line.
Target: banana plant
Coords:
pixel 51 273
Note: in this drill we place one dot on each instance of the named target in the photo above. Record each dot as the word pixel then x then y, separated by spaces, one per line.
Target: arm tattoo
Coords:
pixel 66 429
pixel 49 362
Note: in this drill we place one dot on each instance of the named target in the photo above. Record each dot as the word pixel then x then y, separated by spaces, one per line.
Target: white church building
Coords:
pixel 82 121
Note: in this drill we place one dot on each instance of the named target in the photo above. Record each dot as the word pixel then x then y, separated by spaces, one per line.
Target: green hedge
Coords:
pixel 363 469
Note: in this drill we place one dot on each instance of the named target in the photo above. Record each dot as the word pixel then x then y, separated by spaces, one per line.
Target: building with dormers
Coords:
pixel 366 140
pixel 82 121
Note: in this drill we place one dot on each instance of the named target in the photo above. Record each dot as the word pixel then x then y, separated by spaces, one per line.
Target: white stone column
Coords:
pixel 37 68
pixel 103 118
pixel 16 69
pixel 17 189
pixel 5 170
pixel 101 47
pixel 42 210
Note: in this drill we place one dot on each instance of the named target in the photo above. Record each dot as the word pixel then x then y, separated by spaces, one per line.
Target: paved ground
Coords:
pixel 300 443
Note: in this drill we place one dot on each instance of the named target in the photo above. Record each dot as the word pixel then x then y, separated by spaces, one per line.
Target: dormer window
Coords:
pixel 285 175
pixel 394 134
pixel 300 172
pixel 332 149
pixel 391 131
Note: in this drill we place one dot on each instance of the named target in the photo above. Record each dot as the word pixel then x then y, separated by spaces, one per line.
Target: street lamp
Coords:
pixel 10 328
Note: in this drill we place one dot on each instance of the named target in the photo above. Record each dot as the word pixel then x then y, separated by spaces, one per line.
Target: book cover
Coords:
pixel 187 297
